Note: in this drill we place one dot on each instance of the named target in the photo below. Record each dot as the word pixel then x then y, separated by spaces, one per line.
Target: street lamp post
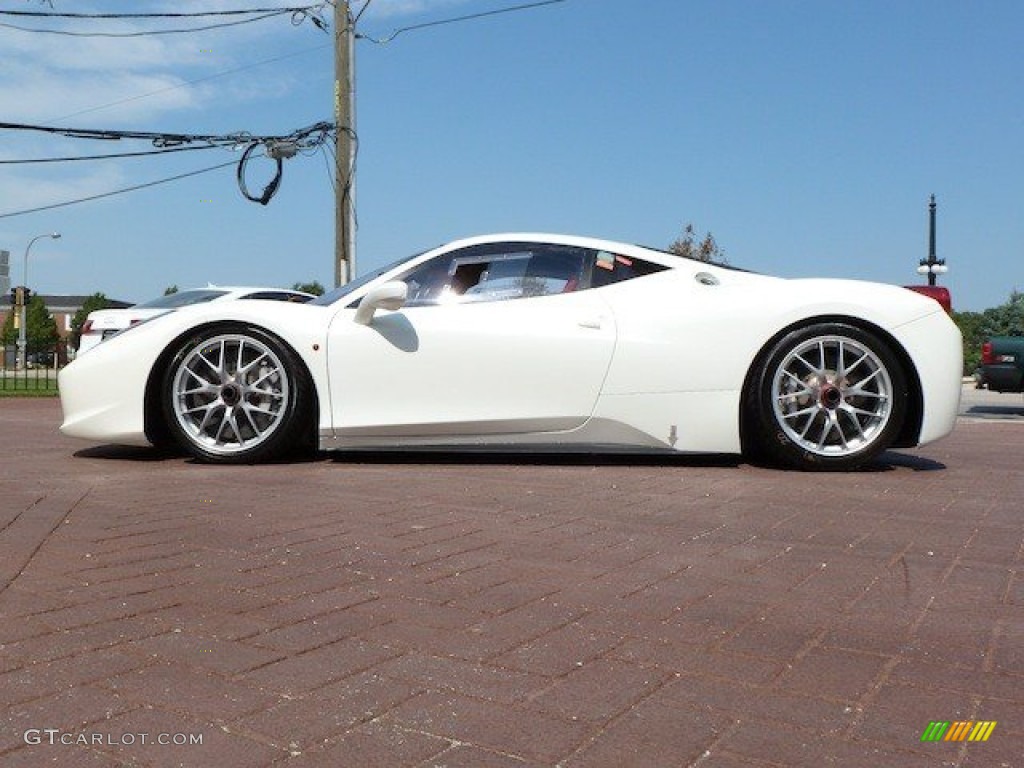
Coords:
pixel 22 339
pixel 932 266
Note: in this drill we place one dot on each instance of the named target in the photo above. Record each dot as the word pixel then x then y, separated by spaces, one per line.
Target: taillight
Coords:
pixel 87 327
pixel 987 358
pixel 938 292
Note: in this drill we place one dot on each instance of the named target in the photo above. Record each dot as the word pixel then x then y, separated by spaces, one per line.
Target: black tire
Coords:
pixel 236 396
pixel 830 396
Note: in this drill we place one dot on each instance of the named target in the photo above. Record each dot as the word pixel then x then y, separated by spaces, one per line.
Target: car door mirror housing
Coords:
pixel 390 295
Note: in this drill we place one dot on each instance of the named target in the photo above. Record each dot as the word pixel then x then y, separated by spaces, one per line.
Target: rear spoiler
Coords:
pixel 938 292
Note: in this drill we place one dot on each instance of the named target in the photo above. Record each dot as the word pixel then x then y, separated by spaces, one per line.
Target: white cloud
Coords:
pixel 133 80
pixel 22 192
pixel 391 8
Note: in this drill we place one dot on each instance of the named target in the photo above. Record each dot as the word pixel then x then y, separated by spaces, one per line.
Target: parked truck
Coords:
pixel 1002 364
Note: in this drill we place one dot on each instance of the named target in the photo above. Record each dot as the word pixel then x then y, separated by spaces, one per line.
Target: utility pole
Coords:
pixel 344 120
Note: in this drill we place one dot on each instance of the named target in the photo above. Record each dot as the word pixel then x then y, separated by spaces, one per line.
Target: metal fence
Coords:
pixel 39 374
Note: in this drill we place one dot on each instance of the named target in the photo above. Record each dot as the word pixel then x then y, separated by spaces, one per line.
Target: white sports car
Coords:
pixel 536 342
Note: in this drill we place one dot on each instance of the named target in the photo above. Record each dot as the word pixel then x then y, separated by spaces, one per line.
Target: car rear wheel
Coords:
pixel 829 397
pixel 235 396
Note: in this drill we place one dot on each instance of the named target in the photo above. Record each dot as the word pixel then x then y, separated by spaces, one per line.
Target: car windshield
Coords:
pixel 344 290
pixel 181 299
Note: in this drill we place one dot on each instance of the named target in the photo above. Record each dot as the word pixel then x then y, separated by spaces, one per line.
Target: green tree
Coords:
pixel 170 289
pixel 972 327
pixel 91 304
pixel 705 249
pixel 1005 320
pixel 314 287
pixel 40 327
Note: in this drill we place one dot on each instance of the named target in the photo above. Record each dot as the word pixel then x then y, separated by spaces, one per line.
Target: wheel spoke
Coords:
pixel 219 411
pixel 244 369
pixel 857 362
pixel 839 429
pixel 798 381
pixel 803 412
pixel 857 392
pixel 813 414
pixel 810 367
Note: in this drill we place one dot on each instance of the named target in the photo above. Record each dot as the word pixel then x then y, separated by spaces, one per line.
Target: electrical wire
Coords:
pixel 198 80
pixel 361 12
pixel 115 192
pixel 268 191
pixel 304 140
pixel 179 15
pixel 310 136
pixel 144 33
pixel 453 20
pixel 159 139
pixel 327 166
pixel 105 157
pixel 298 14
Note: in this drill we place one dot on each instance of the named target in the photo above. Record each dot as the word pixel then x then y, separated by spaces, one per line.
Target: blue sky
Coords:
pixel 807 136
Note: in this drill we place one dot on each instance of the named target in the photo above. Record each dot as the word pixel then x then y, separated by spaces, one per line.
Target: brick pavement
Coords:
pixel 396 611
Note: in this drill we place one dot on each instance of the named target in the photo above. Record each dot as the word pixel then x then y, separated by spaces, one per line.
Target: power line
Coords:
pixel 361 12
pixel 187 83
pixel 456 19
pixel 277 148
pixel 193 14
pixel 115 192
pixel 144 33
pixel 104 157
pixel 159 139
pixel 310 136
pixel 298 14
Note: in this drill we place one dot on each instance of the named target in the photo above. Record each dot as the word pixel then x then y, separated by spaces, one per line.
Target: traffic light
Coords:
pixel 28 296
pixel 18 296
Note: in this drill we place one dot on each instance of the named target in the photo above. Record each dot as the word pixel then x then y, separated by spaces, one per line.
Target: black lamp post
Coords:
pixel 932 266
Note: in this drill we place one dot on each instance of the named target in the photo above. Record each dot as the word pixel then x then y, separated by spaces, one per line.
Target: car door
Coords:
pixel 493 339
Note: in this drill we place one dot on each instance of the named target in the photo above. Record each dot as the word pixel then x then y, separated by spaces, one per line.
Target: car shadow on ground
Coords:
pixel 1005 411
pixel 126 453
pixel 573 459
pixel 892 460
pixel 151 454
pixel 887 462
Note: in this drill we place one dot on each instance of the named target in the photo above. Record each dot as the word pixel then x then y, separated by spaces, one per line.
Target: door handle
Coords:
pixel 593 323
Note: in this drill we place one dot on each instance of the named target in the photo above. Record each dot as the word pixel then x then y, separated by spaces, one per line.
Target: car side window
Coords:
pixel 497 272
pixel 612 268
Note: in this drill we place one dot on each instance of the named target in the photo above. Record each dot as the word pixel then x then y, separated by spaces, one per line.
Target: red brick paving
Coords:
pixel 493 611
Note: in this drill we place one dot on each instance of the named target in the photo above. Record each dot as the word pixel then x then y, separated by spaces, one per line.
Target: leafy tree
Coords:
pixel 706 249
pixel 972 327
pixel 170 289
pixel 40 327
pixel 91 304
pixel 1005 320
pixel 314 287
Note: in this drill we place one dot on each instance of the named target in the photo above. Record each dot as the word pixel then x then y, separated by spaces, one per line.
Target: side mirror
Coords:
pixel 391 296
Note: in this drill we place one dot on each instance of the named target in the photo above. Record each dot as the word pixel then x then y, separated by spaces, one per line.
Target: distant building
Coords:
pixel 5 271
pixel 62 308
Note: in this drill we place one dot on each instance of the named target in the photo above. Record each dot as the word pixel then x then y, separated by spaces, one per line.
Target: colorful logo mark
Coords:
pixel 958 730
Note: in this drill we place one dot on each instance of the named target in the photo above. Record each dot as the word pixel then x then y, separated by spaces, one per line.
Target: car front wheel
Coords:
pixel 829 396
pixel 235 396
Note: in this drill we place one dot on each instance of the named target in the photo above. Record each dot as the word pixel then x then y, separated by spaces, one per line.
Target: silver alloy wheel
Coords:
pixel 832 395
pixel 230 393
